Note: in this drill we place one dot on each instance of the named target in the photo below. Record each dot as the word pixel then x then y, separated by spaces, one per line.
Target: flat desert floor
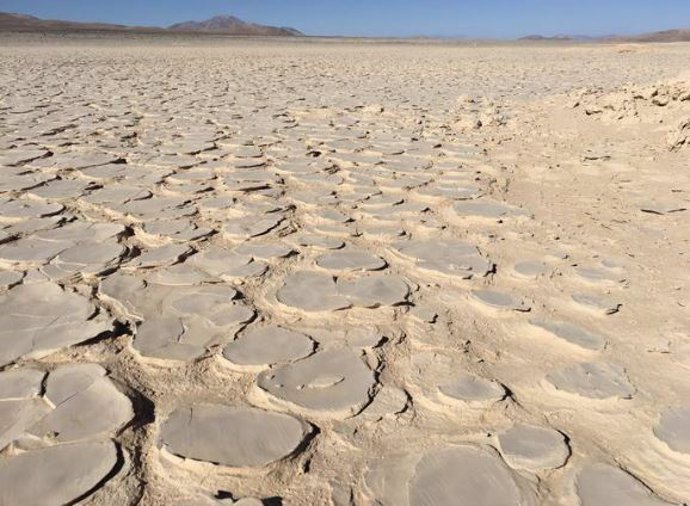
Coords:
pixel 315 272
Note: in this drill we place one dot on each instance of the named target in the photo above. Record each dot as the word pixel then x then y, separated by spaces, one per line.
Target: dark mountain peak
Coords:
pixel 226 18
pixel 231 25
pixel 215 23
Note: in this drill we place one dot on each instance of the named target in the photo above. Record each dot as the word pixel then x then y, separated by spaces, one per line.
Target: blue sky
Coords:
pixel 474 18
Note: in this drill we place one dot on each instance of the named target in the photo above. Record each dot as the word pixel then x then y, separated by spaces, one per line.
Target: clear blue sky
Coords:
pixel 475 18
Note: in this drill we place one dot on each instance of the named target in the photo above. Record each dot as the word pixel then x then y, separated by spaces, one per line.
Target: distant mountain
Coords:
pixel 543 38
pixel 682 35
pixel 225 25
pixel 22 22
pixel 562 37
pixel 232 25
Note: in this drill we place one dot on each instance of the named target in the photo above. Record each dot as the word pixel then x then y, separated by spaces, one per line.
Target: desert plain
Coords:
pixel 339 272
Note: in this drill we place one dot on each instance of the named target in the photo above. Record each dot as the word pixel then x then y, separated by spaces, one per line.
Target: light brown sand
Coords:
pixel 349 273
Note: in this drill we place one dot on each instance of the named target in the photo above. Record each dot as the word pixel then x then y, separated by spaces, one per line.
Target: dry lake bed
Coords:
pixel 336 272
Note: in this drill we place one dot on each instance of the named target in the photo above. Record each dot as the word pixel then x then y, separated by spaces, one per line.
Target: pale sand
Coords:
pixel 351 273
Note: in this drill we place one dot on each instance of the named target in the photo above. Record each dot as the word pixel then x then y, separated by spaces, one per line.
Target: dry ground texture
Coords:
pixel 350 273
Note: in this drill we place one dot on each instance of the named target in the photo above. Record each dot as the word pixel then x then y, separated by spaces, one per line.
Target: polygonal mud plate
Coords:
pixel 39 318
pixel 30 250
pixel 179 321
pixel 86 404
pixel 264 251
pixel 187 336
pixel 598 276
pixel 350 259
pixel 674 428
pixel 227 264
pixel 533 448
pixel 181 275
pixel 20 383
pixel 247 227
pixel 473 389
pixel 82 231
pixel 389 400
pixel 452 257
pixel 447 476
pixel 593 380
pixel 596 303
pixel 374 290
pixel 332 383
pixel 311 291
pixel 487 209
pixel 570 333
pixel 465 475
pixel 268 345
pixel 59 474
pixel 164 255
pixel 86 259
pixel 355 338
pixel 9 278
pixel 22 154
pixel 60 189
pixel 317 241
pixel 179 229
pixel 232 436
pixel 606 485
pixel 317 291
pixel 499 301
pixel 79 403
pixel 11 210
pixel 529 269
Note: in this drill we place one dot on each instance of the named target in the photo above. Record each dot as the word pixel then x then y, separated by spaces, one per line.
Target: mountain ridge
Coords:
pixel 221 25
pixel 673 35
